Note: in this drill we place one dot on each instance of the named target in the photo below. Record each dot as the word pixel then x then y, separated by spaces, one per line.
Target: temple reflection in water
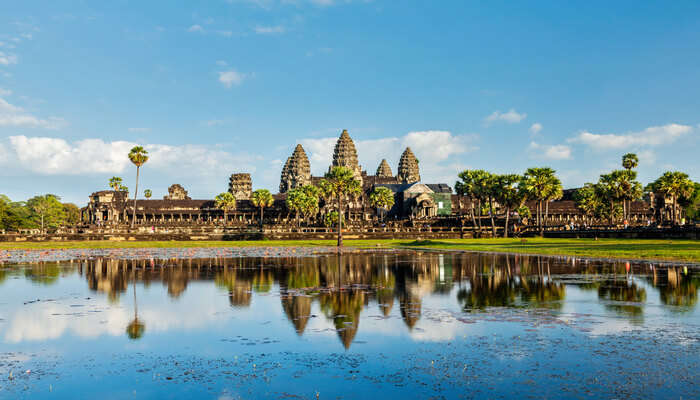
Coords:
pixel 348 285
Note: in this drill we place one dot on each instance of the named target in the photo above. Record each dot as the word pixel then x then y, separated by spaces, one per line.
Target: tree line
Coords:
pixel 40 212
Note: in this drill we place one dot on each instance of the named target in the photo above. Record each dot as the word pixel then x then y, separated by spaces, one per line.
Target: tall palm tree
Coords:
pixel 509 195
pixel 541 185
pixel 115 183
pixel 466 187
pixel 382 197
pixel 138 156
pixel 342 186
pixel 295 202
pixel 676 185
pixel 262 198
pixel 226 202
pixel 630 161
pixel 147 193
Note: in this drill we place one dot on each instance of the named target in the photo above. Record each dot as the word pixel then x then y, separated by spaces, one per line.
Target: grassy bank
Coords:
pixel 670 250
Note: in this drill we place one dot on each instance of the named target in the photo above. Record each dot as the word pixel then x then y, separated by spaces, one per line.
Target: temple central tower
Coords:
pixel 345 155
pixel 296 171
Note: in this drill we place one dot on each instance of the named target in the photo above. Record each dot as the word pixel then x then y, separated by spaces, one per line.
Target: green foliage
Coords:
pixel 262 198
pixel 304 200
pixel 225 201
pixel 138 156
pixel 675 185
pixel 524 212
pixel 46 211
pixel 115 183
pixel 508 191
pixel 692 205
pixel 381 197
pixel 147 193
pixel 72 214
pixel 630 161
pixel 331 219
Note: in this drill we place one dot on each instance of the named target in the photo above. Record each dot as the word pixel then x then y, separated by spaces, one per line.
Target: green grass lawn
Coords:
pixel 670 250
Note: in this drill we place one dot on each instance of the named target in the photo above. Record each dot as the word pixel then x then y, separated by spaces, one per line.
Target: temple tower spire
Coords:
pixel 296 171
pixel 408 167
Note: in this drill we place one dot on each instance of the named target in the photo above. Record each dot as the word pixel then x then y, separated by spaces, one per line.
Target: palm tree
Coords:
pixel 676 185
pixel 611 189
pixel 382 197
pixel 262 198
pixel 541 185
pixel 467 188
pixel 482 190
pixel 342 186
pixel 147 193
pixel 295 202
pixel 587 200
pixel 508 194
pixel 115 183
pixel 138 156
pixel 630 161
pixel 226 202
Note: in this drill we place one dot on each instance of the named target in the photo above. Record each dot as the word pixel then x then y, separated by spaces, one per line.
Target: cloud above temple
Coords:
pixel 14 116
pixel 511 117
pixel 57 156
pixel 434 149
pixel 649 137
pixel 549 152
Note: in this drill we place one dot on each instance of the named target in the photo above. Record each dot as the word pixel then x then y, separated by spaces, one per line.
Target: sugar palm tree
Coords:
pixel 508 194
pixel 226 202
pixel 676 185
pixel 136 327
pixel 147 193
pixel 382 197
pixel 342 186
pixel 630 161
pixel 262 198
pixel 138 156
pixel 541 185
pixel 466 187
pixel 115 183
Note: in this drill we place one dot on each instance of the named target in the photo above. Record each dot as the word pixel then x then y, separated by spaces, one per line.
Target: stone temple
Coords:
pixel 296 171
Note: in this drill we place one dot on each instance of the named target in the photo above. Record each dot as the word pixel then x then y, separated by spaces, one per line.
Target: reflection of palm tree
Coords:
pixel 136 328
pixel 681 291
pixel 625 297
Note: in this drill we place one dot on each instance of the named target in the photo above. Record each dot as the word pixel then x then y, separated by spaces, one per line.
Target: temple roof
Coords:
pixel 408 167
pixel 384 170
pixel 345 154
pixel 296 171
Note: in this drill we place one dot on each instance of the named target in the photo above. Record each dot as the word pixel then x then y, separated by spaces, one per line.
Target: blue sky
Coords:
pixel 213 88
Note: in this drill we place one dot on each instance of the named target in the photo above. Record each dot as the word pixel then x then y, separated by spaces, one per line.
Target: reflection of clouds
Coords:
pixel 37 321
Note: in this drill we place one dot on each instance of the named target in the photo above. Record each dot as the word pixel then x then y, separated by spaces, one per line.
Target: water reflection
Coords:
pixel 344 287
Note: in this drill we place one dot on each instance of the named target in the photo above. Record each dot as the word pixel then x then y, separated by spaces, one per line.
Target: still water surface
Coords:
pixel 389 324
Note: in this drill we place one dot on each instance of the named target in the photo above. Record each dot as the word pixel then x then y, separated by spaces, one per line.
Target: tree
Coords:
pixel 692 204
pixel 467 187
pixel 262 198
pixel 342 186
pixel 138 156
pixel 115 183
pixel 136 327
pixel 508 194
pixel 303 200
pixel 331 219
pixel 587 200
pixel 610 188
pixel 71 213
pixel 147 193
pixel 677 186
pixel 542 186
pixel 630 161
pixel 226 202
pixel 382 197
pixel 47 210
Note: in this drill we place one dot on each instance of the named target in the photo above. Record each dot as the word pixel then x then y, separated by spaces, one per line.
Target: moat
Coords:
pixel 313 325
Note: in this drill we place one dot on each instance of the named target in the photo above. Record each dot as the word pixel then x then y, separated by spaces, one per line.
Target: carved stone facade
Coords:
pixel 296 171
pixel 176 192
pixel 408 167
pixel 345 155
pixel 240 186
pixel 384 170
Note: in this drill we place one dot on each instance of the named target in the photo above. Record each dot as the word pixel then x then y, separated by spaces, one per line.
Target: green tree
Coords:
pixel 46 210
pixel 542 186
pixel 382 198
pixel 262 198
pixel 692 204
pixel 226 202
pixel 587 200
pixel 630 161
pixel 147 193
pixel 72 213
pixel 15 215
pixel 115 183
pixel 331 219
pixel 303 200
pixel 508 194
pixel 342 186
pixel 677 186
pixel 466 186
pixel 138 156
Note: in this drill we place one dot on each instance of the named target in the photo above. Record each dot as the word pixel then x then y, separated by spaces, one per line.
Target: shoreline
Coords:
pixel 674 252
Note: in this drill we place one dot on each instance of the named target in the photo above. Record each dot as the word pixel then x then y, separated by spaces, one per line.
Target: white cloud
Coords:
pixel 535 128
pixel 195 28
pixel 551 152
pixel 511 117
pixel 5 92
pixel 652 136
pixel 139 130
pixel 7 59
pixel 11 115
pixel 57 156
pixel 434 150
pixel 269 30
pixel 231 77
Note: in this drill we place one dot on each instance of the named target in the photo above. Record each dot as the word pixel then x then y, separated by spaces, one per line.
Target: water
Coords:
pixel 364 325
